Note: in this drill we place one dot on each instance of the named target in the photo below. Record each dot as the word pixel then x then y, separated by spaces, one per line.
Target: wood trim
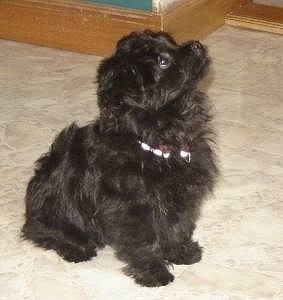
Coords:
pixel 70 24
pixel 257 17
pixel 92 28
pixel 197 18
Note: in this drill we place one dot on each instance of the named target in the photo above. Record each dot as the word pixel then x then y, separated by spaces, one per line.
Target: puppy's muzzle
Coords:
pixel 194 47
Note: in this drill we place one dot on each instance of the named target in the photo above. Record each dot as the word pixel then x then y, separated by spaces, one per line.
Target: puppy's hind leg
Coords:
pixel 70 243
pixel 54 219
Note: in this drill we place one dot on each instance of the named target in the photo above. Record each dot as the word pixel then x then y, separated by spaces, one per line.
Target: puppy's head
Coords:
pixel 149 69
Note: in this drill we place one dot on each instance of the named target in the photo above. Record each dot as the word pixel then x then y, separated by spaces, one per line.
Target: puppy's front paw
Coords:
pixel 76 255
pixel 151 275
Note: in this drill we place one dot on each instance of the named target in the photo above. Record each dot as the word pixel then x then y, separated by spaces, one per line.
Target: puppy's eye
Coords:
pixel 164 60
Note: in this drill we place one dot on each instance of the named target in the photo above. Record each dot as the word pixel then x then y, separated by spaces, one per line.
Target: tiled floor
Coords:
pixel 241 229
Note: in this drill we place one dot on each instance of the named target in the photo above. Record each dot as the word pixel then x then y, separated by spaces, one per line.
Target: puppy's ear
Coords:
pixel 105 72
pixel 134 41
pixel 113 77
pixel 125 44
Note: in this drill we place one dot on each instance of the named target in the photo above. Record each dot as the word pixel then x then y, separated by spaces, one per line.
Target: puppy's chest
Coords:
pixel 150 181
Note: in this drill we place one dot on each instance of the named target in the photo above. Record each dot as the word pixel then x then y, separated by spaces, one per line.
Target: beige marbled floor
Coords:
pixel 43 90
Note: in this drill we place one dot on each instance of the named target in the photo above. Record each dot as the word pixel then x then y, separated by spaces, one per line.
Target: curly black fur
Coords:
pixel 97 186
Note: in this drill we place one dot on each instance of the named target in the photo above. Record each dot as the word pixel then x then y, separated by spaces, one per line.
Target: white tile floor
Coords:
pixel 43 90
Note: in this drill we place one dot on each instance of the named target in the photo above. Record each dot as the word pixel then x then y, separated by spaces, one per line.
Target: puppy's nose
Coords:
pixel 196 47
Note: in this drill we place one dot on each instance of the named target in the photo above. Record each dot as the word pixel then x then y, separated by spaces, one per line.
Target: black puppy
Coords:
pixel 135 178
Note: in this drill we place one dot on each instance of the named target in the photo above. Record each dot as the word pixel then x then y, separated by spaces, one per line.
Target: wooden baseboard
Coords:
pixel 257 17
pixel 91 28
pixel 71 24
pixel 197 18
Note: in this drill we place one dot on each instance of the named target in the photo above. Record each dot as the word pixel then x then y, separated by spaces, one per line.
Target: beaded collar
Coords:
pixel 166 151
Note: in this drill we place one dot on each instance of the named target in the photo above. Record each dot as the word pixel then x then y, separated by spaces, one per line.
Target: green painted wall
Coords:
pixel 142 4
